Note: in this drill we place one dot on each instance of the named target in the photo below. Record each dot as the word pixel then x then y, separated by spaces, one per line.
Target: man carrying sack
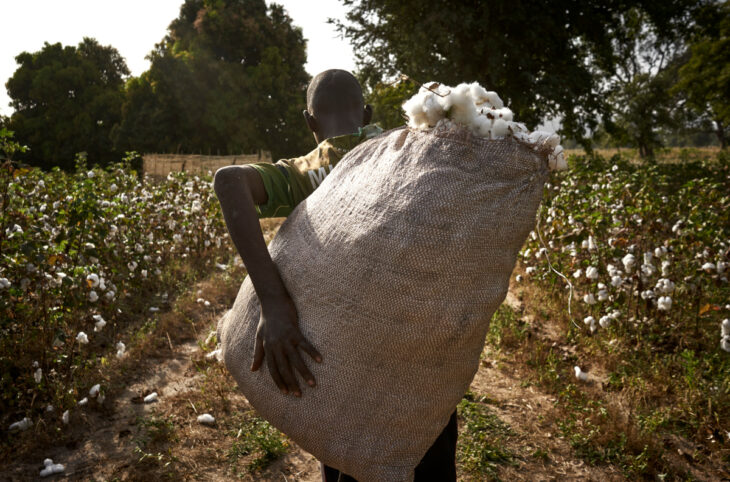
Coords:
pixel 338 119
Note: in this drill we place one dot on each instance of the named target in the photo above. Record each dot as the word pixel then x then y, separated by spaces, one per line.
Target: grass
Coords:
pixel 481 445
pixel 258 443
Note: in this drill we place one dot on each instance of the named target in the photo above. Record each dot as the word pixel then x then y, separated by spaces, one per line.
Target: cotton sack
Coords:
pixel 396 264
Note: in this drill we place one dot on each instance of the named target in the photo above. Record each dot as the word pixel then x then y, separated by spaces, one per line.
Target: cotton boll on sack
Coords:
pixel 396 264
pixel 482 112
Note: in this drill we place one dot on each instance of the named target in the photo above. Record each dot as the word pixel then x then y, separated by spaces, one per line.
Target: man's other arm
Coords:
pixel 239 190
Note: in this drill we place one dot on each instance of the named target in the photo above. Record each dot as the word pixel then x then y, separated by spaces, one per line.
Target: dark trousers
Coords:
pixel 438 465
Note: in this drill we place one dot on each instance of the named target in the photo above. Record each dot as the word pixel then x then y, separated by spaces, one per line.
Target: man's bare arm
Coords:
pixel 239 189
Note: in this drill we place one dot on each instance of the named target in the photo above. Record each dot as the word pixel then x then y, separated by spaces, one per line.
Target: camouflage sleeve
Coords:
pixel 277 183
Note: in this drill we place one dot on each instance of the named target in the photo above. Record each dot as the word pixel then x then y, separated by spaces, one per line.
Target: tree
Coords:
pixel 705 78
pixel 545 59
pixel 646 64
pixel 66 100
pixel 227 78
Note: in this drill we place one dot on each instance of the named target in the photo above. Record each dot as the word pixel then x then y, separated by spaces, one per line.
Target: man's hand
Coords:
pixel 278 340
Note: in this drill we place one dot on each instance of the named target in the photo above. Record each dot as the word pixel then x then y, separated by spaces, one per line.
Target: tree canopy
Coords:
pixel 705 78
pixel 66 100
pixel 227 78
pixel 545 59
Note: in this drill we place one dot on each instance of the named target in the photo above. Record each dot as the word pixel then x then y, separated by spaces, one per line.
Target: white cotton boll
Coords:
pixel 725 343
pixel 494 100
pixel 51 468
pixel 518 278
pixel 616 281
pixel 460 107
pixel 664 286
pixel 648 257
pixel 591 244
pixel 154 309
pixel 206 419
pixel 588 320
pixel 38 375
pixel 602 295
pixel 93 297
pixel 478 94
pixel 82 338
pixel 580 374
pixel 721 267
pixel 121 348
pixel 109 295
pixel 589 299
pixel 647 294
pixel 482 126
pixel 648 269
pixel 584 244
pixel 24 424
pixel 578 273
pixel 217 354
pixel 152 397
pixel 506 115
pixel 82 402
pixel 94 391
pixel 592 272
pixel 628 261
pixel 664 303
pixel 530 270
pixel 605 321
pixel 725 327
pixel 660 252
pixel 99 324
pixel 49 408
pixel 612 271
pixel 665 268
pixel 93 278
pixel 500 128
pixel 708 267
pixel 65 417
pixel 4 283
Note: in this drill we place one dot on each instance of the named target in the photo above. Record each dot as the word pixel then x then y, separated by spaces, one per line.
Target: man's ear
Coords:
pixel 367 114
pixel 310 120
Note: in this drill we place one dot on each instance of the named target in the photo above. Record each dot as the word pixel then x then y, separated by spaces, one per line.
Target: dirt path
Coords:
pixel 128 440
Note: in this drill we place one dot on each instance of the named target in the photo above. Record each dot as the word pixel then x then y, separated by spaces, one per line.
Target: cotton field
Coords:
pixel 80 255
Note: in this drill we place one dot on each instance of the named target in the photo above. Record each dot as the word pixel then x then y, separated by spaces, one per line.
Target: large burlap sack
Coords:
pixel 396 264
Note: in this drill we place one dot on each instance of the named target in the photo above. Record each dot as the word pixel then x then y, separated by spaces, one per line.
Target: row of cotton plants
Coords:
pixel 78 252
pixel 643 247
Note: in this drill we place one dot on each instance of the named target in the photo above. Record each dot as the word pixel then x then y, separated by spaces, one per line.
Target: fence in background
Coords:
pixel 160 165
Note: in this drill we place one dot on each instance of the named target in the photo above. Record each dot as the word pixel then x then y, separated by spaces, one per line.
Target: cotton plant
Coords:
pixel 479 110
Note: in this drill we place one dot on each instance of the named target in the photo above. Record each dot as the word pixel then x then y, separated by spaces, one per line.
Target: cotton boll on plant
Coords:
pixel 580 374
pixel 151 398
pixel 49 468
pixel 121 348
pixel 82 338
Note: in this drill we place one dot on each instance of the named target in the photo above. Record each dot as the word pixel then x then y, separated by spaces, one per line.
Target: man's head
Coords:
pixel 335 105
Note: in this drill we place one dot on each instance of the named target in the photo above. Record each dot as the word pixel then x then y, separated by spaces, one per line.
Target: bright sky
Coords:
pixel 134 26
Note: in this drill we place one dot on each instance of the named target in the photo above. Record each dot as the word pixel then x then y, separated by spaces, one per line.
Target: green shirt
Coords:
pixel 289 181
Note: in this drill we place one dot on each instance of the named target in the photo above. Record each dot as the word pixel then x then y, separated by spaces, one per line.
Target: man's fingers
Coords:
pixel 258 354
pixel 286 372
pixel 299 365
pixel 274 371
pixel 311 351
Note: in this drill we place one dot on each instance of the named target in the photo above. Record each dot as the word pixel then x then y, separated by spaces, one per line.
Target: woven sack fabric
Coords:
pixel 396 264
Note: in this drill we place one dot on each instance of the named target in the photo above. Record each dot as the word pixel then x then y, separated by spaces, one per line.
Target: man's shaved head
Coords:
pixel 335 105
pixel 334 92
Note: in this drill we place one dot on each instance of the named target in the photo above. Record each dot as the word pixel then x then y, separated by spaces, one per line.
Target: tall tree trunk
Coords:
pixel 721 134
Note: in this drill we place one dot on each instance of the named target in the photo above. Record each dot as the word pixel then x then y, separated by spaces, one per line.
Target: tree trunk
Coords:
pixel 721 134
